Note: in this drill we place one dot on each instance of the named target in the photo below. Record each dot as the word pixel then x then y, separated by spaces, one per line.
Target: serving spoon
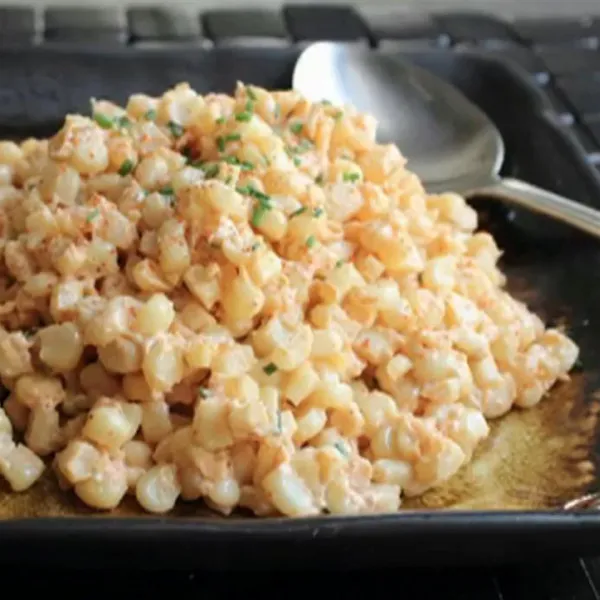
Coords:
pixel 450 143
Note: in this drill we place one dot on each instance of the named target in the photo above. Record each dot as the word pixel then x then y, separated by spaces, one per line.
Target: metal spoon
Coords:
pixel 449 142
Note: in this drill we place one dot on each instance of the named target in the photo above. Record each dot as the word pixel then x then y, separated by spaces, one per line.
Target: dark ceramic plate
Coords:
pixel 506 504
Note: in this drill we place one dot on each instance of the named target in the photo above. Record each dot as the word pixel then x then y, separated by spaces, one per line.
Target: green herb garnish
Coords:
pixel 175 128
pixel 260 210
pixel 318 212
pixel 104 121
pixel 252 191
pixel 351 177
pixel 126 168
pixel 270 368
pixel 220 121
pixel 166 191
pixel 210 171
pixel 296 128
pixel 150 115
pixel 233 160
pixel 297 162
pixel 243 117
pixel 277 110
pixel 298 212
pixel 263 205
pixel 311 241
pixel 123 122
pixel 92 215
pixel 250 93
pixel 223 140
pixel 255 246
pixel 338 115
pixel 319 179
pixel 302 147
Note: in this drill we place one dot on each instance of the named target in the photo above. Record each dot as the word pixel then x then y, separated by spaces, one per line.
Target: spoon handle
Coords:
pixel 544 202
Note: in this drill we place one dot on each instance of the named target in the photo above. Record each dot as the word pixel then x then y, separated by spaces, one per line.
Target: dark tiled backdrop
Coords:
pixel 560 56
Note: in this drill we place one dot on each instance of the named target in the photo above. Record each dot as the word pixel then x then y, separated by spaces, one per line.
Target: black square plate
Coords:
pixel 553 269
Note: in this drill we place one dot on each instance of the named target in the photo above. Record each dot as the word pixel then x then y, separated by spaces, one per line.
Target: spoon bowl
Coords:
pixel 449 142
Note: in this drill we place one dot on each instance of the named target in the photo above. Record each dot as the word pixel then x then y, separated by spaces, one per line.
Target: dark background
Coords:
pixel 560 60
pixel 567 580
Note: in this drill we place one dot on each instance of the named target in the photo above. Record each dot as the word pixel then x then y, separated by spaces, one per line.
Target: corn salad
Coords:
pixel 247 300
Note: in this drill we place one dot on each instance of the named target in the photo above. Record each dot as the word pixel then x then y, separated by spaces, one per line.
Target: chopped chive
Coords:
pixel 303 146
pixel 175 128
pixel 270 368
pixel 250 106
pixel 166 191
pixel 260 210
pixel 311 241
pixel 220 121
pixel 296 128
pixel 203 392
pixel 123 122
pixel 222 140
pixel 326 102
pixel 351 177
pixel 255 246
pixel 252 191
pixel 210 171
pixel 339 263
pixel 228 180
pixel 338 115
pixel 318 212
pixel 243 117
pixel 233 160
pixel 319 179
pixel 250 93
pixel 104 121
pixel 277 110
pixel 298 212
pixel 297 162
pixel 126 168
pixel 150 115
pixel 340 448
pixel 92 215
